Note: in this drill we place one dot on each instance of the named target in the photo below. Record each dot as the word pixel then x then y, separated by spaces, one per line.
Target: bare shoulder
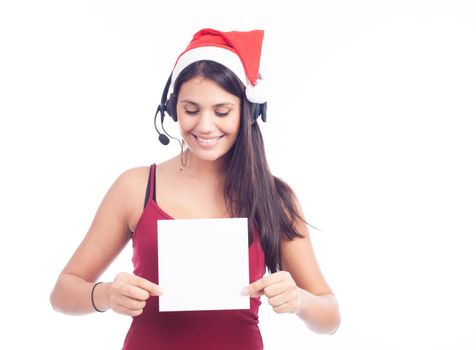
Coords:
pixel 132 176
pixel 133 182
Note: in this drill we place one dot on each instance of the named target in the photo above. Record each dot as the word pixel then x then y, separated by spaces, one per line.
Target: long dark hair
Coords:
pixel 250 189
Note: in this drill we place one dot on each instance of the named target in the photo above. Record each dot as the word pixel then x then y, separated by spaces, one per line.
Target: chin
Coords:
pixel 207 156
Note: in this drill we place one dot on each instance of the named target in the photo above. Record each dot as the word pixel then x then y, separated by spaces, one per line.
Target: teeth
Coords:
pixel 207 140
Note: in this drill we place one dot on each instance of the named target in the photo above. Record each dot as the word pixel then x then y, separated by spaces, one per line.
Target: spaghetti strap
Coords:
pixel 150 185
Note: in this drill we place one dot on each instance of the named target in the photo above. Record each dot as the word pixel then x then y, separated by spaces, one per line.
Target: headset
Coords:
pixel 169 106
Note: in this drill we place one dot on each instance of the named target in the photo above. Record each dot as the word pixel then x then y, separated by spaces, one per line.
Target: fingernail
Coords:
pixel 245 291
pixel 159 291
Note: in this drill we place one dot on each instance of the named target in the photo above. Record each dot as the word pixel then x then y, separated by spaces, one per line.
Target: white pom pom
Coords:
pixel 257 93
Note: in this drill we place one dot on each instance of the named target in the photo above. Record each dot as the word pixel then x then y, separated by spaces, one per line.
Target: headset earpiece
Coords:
pixel 264 108
pixel 256 111
pixel 259 109
pixel 171 106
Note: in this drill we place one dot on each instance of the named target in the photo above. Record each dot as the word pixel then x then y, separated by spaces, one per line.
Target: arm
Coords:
pixel 317 305
pixel 300 287
pixel 319 312
pixel 107 236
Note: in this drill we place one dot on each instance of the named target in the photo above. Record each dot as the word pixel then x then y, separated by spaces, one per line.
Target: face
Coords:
pixel 209 118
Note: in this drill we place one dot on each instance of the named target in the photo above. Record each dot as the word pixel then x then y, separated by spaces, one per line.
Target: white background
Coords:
pixel 371 121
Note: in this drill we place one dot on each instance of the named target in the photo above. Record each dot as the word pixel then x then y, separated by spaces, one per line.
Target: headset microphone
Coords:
pixel 166 106
pixel 162 138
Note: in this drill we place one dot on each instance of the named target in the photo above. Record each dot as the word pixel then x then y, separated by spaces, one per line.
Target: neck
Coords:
pixel 207 171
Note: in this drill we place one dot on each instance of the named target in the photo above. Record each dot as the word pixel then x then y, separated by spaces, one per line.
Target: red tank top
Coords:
pixel 185 330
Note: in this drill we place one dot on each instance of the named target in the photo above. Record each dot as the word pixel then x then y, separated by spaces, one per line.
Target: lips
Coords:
pixel 207 141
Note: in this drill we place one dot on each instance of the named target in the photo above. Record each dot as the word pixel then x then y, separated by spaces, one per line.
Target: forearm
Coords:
pixel 319 312
pixel 72 295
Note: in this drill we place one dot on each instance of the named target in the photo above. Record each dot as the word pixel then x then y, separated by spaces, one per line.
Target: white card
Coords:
pixel 203 264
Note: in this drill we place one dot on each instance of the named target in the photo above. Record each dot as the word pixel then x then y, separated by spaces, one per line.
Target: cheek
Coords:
pixel 184 126
pixel 233 132
pixel 233 125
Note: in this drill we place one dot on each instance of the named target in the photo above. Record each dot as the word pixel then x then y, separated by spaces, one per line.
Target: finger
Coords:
pixel 286 307
pixel 135 292
pixel 274 289
pixel 125 311
pixel 279 299
pixel 257 294
pixel 256 288
pixel 147 285
pixel 130 303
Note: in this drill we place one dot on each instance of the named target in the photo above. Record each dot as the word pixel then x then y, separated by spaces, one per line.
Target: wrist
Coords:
pixel 100 295
pixel 300 308
pixel 319 312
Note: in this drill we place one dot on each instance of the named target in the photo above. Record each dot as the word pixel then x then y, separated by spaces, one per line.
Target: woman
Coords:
pixel 223 172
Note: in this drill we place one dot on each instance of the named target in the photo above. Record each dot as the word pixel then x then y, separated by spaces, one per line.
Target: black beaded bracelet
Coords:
pixel 92 298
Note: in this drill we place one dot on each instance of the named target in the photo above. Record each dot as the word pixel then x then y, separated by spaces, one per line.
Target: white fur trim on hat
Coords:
pixel 213 53
pixel 226 57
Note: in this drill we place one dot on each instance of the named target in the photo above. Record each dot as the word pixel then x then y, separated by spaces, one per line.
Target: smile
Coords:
pixel 208 141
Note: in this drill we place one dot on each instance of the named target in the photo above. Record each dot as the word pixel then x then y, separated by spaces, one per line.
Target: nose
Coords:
pixel 205 123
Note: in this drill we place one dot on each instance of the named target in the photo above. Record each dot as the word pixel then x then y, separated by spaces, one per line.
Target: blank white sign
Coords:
pixel 203 264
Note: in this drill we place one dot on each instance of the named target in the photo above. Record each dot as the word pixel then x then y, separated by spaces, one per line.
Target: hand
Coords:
pixel 129 293
pixel 282 292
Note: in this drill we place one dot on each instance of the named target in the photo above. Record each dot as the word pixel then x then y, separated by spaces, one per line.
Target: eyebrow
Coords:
pixel 223 104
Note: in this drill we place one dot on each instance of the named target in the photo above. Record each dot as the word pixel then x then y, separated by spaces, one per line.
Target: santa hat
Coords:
pixel 238 51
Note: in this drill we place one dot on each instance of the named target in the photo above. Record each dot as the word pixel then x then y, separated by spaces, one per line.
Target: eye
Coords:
pixel 194 111
pixel 191 111
pixel 222 113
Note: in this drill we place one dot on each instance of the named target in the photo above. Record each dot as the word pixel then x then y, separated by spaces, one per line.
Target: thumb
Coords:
pixel 149 286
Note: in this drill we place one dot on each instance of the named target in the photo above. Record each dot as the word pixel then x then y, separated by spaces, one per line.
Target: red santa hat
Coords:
pixel 238 51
